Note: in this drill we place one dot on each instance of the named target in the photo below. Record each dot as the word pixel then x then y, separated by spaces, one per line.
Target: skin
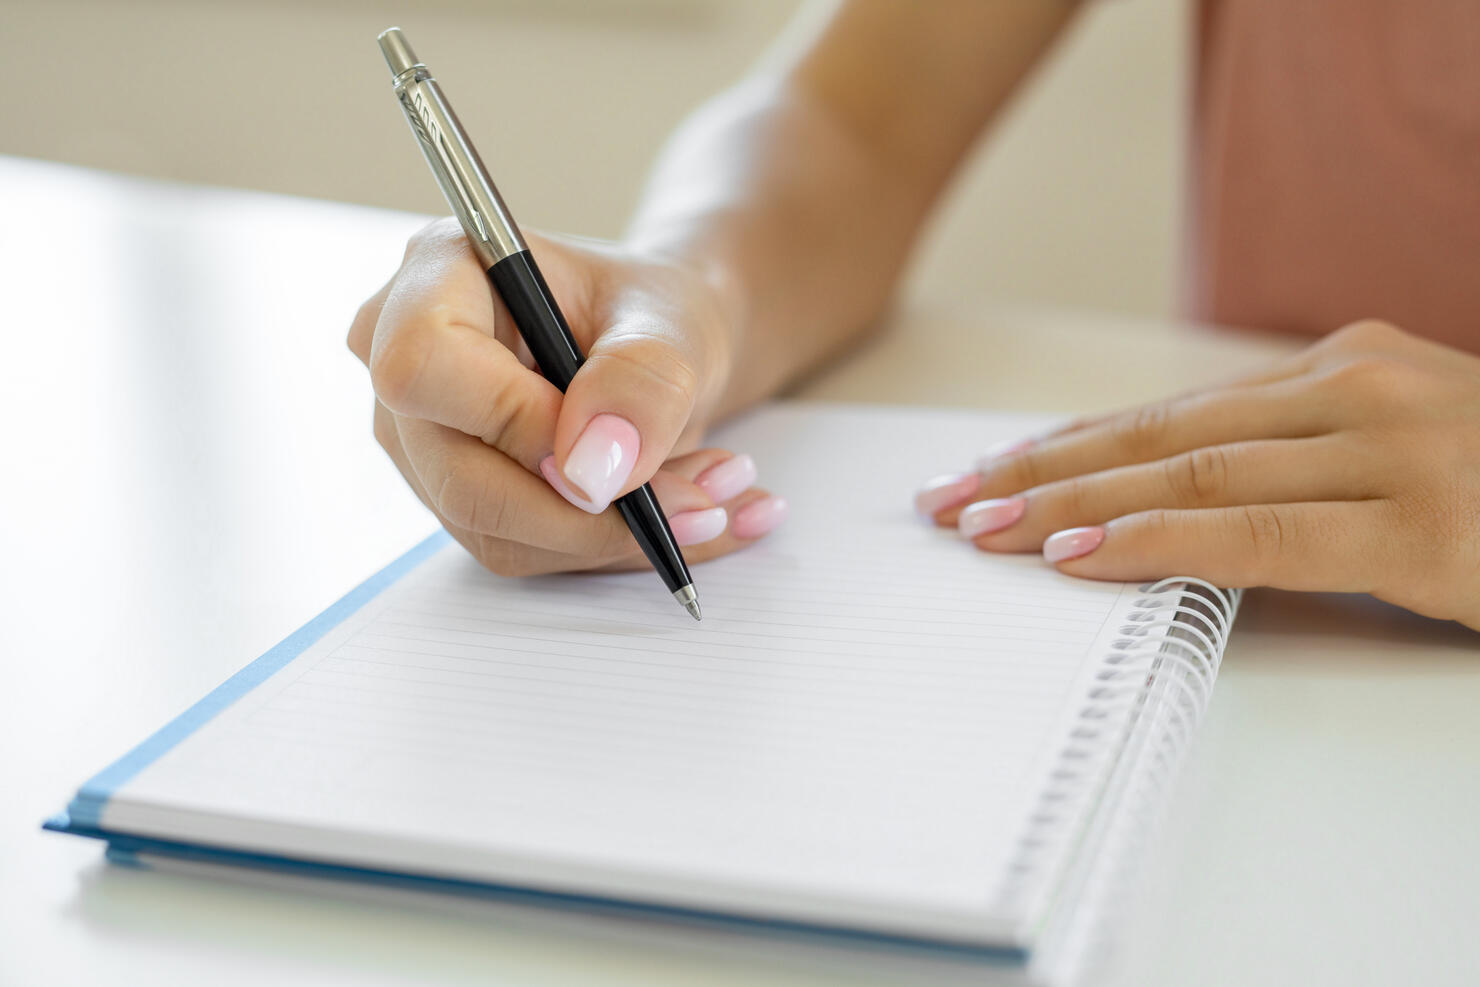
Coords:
pixel 818 162
pixel 774 230
pixel 1353 467
pixel 465 418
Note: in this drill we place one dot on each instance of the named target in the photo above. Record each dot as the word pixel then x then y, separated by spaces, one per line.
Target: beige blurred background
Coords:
pixel 1073 200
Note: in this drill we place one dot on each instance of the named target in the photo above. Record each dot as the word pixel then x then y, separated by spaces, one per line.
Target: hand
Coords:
pixel 520 474
pixel 1353 467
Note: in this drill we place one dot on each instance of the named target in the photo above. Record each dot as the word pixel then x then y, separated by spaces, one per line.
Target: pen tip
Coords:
pixel 689 600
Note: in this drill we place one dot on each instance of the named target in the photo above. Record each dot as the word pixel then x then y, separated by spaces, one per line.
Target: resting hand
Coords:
pixel 1354 466
pixel 520 474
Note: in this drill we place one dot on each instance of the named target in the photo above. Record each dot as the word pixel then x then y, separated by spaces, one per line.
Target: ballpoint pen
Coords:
pixel 501 250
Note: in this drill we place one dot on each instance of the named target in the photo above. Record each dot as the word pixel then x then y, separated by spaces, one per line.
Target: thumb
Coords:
pixel 624 410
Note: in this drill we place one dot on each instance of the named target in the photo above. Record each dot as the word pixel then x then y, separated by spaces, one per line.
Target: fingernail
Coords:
pixel 986 516
pixel 600 462
pixel 754 520
pixel 945 491
pixel 1072 543
pixel 697 527
pixel 727 479
pixel 988 459
pixel 552 476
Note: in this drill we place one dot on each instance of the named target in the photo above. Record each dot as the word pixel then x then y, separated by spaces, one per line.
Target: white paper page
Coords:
pixel 853 735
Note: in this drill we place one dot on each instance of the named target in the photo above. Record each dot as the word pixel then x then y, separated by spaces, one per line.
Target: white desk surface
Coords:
pixel 190 475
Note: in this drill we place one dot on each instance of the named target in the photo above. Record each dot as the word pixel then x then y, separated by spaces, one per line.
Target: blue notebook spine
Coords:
pixel 144 852
pixel 90 802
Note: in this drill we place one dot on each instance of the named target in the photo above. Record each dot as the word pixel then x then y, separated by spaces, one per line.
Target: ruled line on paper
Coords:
pixel 338 692
pixel 401 635
pixel 973 594
pixel 818 626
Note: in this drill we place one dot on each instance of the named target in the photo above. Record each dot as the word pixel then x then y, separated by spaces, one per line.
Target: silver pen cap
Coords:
pixel 451 156
pixel 397 51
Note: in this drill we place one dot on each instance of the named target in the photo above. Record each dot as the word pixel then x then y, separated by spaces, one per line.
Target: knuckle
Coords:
pixel 660 365
pixel 507 559
pixel 1015 471
pixel 507 407
pixel 436 235
pixel 396 367
pixel 613 541
pixel 1006 474
pixel 1365 333
pixel 1270 532
pixel 1377 378
pixel 1027 469
pixel 1155 523
pixel 1199 476
pixel 468 503
pixel 1076 496
pixel 385 428
pixel 362 327
pixel 1143 429
pixel 456 501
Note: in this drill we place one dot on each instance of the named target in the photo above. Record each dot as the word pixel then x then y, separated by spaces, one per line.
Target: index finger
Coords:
pixel 1282 410
pixel 435 355
pixel 1281 370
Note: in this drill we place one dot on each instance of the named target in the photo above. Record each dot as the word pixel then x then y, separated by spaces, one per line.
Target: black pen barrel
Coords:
pixel 645 518
pixel 496 242
pixel 520 284
pixel 544 329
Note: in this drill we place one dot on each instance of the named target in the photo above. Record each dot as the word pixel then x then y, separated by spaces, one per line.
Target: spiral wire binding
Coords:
pixel 1115 772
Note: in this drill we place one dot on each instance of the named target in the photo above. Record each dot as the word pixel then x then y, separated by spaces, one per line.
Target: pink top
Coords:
pixel 1336 165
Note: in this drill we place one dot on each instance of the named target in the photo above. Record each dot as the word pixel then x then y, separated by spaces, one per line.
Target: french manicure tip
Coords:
pixel 728 479
pixel 759 518
pixel 986 516
pixel 945 491
pixel 552 476
pixel 697 527
pixel 1072 543
pixel 602 459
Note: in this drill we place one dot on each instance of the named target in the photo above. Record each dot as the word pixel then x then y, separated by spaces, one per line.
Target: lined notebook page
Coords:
pixel 855 733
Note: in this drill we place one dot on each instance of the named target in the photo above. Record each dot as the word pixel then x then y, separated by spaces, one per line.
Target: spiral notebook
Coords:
pixel 876 731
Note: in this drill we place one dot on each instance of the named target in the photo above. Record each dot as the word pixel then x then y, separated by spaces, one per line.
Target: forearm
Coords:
pixel 800 229
pixel 800 192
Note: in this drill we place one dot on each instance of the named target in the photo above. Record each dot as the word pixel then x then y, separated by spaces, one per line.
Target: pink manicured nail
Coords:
pixel 600 462
pixel 754 520
pixel 945 491
pixel 986 516
pixel 727 479
pixel 1072 543
pixel 552 476
pixel 697 527
pixel 988 459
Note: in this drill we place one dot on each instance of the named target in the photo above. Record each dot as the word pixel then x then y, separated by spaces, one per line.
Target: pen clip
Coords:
pixel 454 163
pixel 445 165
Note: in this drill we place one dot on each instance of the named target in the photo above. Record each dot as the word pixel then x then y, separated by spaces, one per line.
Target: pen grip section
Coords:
pixel 540 322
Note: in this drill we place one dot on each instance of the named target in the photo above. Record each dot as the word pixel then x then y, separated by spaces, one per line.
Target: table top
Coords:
pixel 190 475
